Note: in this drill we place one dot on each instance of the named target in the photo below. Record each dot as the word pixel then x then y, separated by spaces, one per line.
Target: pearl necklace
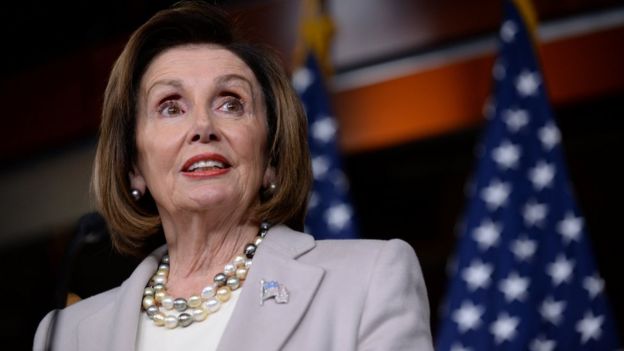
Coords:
pixel 157 303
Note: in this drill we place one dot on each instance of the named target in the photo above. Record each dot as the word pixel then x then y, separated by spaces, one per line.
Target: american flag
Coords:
pixel 330 214
pixel 524 277
pixel 273 290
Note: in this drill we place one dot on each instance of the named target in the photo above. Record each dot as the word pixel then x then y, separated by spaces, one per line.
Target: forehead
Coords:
pixel 196 62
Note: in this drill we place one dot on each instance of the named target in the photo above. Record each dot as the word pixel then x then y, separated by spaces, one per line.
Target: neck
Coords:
pixel 200 246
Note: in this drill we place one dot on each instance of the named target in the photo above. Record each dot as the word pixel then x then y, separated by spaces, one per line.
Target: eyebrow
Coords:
pixel 220 81
pixel 225 79
pixel 167 82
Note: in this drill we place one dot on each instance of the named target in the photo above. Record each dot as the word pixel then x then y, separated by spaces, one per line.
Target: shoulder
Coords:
pixel 365 246
pixel 362 253
pixel 359 266
pixel 88 306
pixel 383 282
pixel 92 318
pixel 69 318
pixel 375 286
pixel 304 247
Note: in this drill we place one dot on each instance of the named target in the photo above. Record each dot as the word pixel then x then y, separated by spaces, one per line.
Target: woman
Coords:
pixel 204 141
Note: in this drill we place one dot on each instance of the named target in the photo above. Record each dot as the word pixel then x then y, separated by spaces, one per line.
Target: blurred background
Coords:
pixel 409 84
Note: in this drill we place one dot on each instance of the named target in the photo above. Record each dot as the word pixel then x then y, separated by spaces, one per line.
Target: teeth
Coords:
pixel 206 164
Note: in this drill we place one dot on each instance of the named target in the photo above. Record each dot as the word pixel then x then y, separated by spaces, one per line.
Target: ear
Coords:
pixel 136 180
pixel 269 177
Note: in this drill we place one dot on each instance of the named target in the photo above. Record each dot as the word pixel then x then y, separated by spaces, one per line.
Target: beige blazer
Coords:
pixel 344 295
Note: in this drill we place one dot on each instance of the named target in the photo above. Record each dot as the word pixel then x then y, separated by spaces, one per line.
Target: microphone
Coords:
pixel 91 229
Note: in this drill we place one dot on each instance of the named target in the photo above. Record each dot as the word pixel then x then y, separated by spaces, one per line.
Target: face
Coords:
pixel 201 131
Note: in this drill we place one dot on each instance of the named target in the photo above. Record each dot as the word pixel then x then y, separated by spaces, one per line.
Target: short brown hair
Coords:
pixel 132 222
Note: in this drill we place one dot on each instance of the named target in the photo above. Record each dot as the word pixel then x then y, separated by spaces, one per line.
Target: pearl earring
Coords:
pixel 136 194
pixel 269 190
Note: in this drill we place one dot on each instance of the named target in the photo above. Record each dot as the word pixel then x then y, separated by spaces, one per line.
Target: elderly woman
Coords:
pixel 203 140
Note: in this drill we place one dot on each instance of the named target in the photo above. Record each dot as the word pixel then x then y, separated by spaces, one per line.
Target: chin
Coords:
pixel 203 199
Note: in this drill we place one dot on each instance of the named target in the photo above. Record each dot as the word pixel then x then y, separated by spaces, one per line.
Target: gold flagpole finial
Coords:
pixel 527 11
pixel 316 32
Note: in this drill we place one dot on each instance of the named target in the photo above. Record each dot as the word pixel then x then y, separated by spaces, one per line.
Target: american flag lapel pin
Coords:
pixel 273 289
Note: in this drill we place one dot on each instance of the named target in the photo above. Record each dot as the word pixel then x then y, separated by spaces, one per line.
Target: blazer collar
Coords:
pixel 274 260
pixel 126 310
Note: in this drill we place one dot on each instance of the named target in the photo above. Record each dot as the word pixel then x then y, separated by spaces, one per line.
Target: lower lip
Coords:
pixel 206 174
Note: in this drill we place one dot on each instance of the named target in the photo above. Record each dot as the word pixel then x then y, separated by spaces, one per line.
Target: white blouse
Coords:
pixel 203 335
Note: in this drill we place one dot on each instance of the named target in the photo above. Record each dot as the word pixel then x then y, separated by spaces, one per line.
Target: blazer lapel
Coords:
pixel 126 310
pixel 247 328
pixel 267 327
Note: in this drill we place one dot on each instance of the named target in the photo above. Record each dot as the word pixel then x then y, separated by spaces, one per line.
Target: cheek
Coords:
pixel 252 147
pixel 157 150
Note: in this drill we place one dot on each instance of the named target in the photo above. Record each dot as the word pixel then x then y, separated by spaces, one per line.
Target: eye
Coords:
pixel 232 105
pixel 170 108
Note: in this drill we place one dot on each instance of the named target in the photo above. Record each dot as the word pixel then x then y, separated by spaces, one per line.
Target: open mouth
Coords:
pixel 205 163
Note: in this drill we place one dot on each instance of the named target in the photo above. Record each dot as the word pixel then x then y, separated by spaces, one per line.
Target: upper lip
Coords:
pixel 205 157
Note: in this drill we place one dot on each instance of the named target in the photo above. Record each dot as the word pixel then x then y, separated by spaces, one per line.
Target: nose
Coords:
pixel 204 129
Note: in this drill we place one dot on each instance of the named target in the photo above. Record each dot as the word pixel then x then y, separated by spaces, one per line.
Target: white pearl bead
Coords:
pixel 199 314
pixel 194 301
pixel 167 302
pixel 212 305
pixel 148 301
pixel 160 279
pixel 148 291
pixel 241 273
pixel 162 272
pixel 171 321
pixel 159 287
pixel 209 292
pixel 159 319
pixel 229 269
pixel 258 240
pixel 239 260
pixel 223 294
pixel 248 264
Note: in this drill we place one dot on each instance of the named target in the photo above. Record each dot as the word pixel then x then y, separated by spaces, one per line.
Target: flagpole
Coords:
pixel 331 214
